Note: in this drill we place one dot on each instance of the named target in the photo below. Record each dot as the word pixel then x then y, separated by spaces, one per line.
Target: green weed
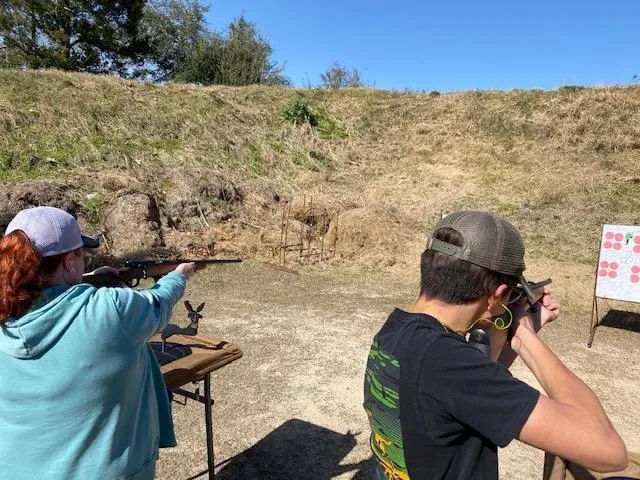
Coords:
pixel 320 161
pixel 93 207
pixel 298 112
pixel 256 162
pixel 277 146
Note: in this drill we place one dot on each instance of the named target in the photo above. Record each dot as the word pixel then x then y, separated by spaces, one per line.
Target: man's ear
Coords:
pixel 499 295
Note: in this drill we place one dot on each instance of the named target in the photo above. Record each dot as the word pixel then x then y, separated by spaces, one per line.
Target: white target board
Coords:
pixel 618 275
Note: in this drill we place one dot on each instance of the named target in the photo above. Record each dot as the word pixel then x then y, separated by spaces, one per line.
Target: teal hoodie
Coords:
pixel 81 393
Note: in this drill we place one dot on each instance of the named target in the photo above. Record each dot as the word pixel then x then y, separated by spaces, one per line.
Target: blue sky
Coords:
pixel 449 45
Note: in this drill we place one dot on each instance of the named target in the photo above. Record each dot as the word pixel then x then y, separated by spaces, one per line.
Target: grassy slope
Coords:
pixel 558 164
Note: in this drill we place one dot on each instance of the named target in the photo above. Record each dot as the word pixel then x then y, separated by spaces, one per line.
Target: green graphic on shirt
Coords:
pixel 382 403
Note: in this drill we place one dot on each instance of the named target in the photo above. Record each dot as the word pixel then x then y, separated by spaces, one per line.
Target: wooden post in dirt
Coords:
pixel 335 233
pixel 324 230
pixel 284 233
pixel 310 215
pixel 304 206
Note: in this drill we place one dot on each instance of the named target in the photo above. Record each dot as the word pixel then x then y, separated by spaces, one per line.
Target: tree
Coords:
pixel 339 76
pixel 156 39
pixel 82 35
pixel 247 57
pixel 241 57
pixel 175 30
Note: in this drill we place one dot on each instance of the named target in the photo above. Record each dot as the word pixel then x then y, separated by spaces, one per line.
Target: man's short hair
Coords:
pixel 469 255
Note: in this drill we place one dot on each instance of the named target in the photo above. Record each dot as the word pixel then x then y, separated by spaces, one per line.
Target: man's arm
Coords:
pixel 543 316
pixel 507 355
pixel 570 422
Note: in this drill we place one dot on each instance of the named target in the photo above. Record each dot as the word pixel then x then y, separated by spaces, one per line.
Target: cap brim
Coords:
pixel 90 242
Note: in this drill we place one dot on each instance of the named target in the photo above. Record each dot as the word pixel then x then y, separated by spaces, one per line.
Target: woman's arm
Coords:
pixel 143 313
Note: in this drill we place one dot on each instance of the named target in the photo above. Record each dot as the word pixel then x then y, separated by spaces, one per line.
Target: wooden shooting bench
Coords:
pixel 191 359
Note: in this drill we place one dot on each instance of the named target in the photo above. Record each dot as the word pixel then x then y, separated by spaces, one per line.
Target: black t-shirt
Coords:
pixel 437 406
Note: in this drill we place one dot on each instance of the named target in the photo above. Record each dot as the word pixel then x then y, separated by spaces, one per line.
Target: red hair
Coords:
pixel 23 274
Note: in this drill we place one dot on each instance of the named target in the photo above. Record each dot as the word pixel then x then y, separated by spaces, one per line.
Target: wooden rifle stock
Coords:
pixel 136 270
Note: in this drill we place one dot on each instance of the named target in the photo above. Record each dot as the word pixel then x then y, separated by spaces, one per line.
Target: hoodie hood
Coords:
pixel 40 328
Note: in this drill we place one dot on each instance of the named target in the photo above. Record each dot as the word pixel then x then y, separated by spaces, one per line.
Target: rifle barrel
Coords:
pixel 134 270
pixel 149 263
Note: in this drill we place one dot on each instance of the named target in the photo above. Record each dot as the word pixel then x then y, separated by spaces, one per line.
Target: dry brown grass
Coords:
pixel 558 164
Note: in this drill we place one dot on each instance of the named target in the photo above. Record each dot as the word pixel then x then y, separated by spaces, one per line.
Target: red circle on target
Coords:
pixel 604 264
pixel 608 235
pixel 636 249
pixel 619 237
pixel 613 274
pixel 613 265
pixel 636 239
pixel 635 269
pixel 635 279
pixel 608 245
pixel 617 246
pixel 602 273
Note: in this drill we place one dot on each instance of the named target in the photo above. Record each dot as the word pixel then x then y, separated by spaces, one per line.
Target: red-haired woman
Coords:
pixel 81 394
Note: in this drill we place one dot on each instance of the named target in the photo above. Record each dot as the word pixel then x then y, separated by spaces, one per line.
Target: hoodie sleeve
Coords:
pixel 143 313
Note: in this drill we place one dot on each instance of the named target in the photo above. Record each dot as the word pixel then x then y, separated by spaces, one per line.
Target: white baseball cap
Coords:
pixel 51 231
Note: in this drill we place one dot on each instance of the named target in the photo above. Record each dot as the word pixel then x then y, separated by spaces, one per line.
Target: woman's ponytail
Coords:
pixel 23 275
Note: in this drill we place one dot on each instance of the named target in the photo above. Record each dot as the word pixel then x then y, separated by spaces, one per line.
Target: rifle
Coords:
pixel 135 270
pixel 526 289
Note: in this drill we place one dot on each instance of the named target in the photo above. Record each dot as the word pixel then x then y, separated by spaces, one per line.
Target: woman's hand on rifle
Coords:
pixel 186 269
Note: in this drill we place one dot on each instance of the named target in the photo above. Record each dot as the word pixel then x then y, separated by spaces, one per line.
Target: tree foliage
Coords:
pixel 162 40
pixel 82 35
pixel 175 30
pixel 238 57
pixel 339 76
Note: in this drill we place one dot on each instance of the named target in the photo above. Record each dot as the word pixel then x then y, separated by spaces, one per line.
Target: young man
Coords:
pixel 438 406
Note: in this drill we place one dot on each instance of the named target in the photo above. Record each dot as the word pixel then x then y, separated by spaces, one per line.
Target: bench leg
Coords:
pixel 208 419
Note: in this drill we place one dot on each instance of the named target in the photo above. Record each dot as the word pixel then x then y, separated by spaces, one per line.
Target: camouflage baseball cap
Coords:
pixel 488 241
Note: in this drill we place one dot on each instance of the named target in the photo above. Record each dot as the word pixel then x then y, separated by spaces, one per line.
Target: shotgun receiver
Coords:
pixel 135 270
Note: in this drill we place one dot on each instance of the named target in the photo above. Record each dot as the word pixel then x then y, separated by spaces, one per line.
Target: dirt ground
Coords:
pixel 291 408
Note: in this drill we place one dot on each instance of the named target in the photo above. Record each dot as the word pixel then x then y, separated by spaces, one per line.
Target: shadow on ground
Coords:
pixel 629 321
pixel 296 450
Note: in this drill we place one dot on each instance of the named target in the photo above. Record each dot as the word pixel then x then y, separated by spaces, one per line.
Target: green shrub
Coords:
pixel 298 112
pixel 329 128
pixel 94 210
